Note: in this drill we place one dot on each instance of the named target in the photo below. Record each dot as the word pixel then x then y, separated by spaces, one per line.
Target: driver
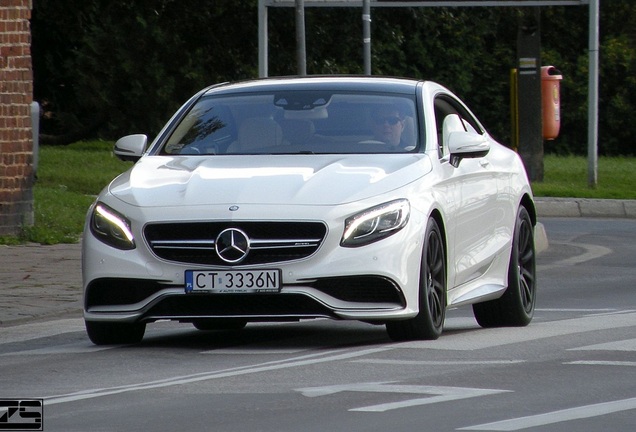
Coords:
pixel 387 125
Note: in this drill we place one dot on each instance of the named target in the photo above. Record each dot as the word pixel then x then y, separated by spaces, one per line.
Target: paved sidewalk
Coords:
pixel 39 282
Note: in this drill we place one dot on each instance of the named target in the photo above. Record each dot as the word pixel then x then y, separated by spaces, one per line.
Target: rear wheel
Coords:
pixel 516 306
pixel 107 333
pixel 429 322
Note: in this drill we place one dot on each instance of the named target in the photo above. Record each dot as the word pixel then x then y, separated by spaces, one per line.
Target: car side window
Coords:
pixel 470 123
pixel 442 110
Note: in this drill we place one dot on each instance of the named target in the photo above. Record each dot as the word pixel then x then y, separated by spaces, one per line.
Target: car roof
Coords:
pixel 362 83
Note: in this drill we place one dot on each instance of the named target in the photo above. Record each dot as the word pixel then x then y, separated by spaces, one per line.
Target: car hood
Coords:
pixel 158 181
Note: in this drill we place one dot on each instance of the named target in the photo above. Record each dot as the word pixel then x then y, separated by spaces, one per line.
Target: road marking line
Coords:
pixel 440 362
pixel 569 414
pixel 322 357
pixel 591 252
pixel 603 310
pixel 624 345
pixel 439 394
pixel 488 338
pixel 601 363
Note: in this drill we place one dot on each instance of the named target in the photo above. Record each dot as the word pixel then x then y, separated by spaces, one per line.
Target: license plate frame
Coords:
pixel 233 281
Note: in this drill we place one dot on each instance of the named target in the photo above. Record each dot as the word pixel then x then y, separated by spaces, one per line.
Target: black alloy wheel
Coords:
pixel 429 322
pixel 515 307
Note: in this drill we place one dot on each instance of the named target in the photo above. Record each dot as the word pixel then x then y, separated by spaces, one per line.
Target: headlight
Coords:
pixel 111 227
pixel 376 223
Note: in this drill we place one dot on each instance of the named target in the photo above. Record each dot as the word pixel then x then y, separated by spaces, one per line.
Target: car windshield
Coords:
pixel 296 122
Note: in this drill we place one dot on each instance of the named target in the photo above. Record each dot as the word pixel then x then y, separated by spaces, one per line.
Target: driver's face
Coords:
pixel 388 126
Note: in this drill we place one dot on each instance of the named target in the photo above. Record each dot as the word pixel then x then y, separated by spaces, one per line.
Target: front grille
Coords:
pixel 269 242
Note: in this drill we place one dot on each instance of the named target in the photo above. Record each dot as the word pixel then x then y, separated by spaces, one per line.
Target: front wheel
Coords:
pixel 107 333
pixel 516 306
pixel 429 322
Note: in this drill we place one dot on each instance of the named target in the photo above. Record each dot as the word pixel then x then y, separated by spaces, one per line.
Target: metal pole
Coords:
pixel 592 109
pixel 262 39
pixel 35 127
pixel 366 35
pixel 529 92
pixel 301 56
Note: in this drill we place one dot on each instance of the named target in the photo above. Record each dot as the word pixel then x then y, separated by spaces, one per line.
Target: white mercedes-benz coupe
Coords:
pixel 376 199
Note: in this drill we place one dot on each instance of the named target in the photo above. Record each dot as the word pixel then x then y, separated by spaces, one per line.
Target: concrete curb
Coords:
pixel 585 207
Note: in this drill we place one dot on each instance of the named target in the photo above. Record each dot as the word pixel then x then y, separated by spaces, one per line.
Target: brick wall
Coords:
pixel 16 95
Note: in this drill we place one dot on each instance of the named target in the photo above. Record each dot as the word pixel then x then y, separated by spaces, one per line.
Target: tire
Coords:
pixel 429 322
pixel 106 333
pixel 219 324
pixel 515 308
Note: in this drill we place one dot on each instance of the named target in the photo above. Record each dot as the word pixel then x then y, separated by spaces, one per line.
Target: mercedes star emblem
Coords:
pixel 232 245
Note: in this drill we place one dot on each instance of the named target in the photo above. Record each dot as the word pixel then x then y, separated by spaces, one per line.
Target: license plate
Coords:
pixel 232 281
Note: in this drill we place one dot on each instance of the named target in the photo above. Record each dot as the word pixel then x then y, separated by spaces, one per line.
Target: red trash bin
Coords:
pixel 551 101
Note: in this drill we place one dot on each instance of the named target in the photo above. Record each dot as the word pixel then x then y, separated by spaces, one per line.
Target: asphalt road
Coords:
pixel 573 368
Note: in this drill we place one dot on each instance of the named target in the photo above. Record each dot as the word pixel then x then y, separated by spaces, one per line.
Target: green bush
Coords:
pixel 68 179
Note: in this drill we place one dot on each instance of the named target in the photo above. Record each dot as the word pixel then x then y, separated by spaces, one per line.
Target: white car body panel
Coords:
pixel 159 181
pixel 475 202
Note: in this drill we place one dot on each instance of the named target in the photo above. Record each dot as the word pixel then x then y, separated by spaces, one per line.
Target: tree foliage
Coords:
pixel 125 66
pixel 112 67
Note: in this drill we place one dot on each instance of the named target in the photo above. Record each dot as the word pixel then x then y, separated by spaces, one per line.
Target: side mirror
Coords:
pixel 131 147
pixel 463 145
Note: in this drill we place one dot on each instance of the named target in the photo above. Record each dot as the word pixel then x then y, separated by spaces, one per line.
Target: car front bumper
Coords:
pixel 376 282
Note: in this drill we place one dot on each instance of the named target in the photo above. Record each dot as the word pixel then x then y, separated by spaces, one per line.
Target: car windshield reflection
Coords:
pixel 296 122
